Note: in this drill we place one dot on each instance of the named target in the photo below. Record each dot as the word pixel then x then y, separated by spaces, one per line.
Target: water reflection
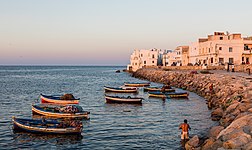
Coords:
pixel 20 137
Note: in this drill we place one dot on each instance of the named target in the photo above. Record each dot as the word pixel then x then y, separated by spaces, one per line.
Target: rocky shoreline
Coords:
pixel 229 97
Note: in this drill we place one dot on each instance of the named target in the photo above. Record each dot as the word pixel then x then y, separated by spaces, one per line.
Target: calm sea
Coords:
pixel 152 125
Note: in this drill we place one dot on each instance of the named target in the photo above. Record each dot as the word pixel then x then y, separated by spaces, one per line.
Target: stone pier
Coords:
pixel 229 97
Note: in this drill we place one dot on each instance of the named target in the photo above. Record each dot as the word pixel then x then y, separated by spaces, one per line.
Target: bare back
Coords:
pixel 185 127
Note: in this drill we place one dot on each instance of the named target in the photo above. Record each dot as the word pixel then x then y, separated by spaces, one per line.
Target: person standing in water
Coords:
pixel 185 130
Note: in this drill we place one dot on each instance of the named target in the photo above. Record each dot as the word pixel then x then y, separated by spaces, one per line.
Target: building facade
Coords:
pixel 144 58
pixel 218 49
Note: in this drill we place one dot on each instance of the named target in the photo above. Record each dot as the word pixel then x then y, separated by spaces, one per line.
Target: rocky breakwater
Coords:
pixel 229 97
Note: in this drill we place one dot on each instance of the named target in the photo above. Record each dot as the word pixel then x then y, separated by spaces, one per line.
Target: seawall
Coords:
pixel 229 97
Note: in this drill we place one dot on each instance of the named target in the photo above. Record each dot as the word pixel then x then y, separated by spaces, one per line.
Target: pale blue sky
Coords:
pixel 105 32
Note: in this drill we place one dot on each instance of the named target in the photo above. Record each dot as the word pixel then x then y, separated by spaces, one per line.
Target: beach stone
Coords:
pixel 214 131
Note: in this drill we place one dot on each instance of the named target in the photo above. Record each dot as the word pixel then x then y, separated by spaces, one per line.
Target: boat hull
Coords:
pixel 26 126
pixel 110 99
pixel 169 95
pixel 120 90
pixel 157 90
pixel 136 84
pixel 56 100
pixel 37 110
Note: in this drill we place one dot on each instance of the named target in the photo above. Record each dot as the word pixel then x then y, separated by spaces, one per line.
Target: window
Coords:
pixel 231 60
pixel 221 60
pixel 242 58
pixel 220 48
pixel 141 55
pixel 153 62
pixel 144 62
pixel 135 63
pixel 209 50
pixel 221 38
pixel 153 56
pixel 247 60
pixel 211 60
pixel 230 49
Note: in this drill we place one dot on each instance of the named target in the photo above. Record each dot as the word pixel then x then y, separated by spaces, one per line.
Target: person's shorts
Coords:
pixel 184 135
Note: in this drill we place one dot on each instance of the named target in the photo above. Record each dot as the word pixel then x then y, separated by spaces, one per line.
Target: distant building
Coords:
pixel 181 57
pixel 169 58
pixel 144 58
pixel 220 48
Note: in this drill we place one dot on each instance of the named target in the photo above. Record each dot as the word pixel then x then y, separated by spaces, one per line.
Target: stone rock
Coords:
pixel 236 142
pixel 194 141
pixel 236 124
pixel 248 146
pixel 217 144
pixel 188 147
pixel 231 107
pixel 217 114
pixel 234 134
pixel 214 131
pixel 208 144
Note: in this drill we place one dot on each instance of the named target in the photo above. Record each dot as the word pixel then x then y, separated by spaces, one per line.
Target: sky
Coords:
pixel 106 32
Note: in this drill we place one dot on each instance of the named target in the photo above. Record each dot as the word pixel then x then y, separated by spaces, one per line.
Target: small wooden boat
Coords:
pixel 57 99
pixel 57 111
pixel 117 99
pixel 155 89
pixel 169 95
pixel 45 126
pixel 120 90
pixel 143 84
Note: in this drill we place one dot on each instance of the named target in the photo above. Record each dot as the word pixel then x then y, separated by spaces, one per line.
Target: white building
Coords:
pixel 145 58
pixel 169 58
pixel 219 48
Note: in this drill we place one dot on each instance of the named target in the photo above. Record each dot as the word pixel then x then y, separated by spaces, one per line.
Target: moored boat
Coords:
pixel 59 99
pixel 57 111
pixel 132 84
pixel 169 95
pixel 45 126
pixel 117 99
pixel 146 89
pixel 120 90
